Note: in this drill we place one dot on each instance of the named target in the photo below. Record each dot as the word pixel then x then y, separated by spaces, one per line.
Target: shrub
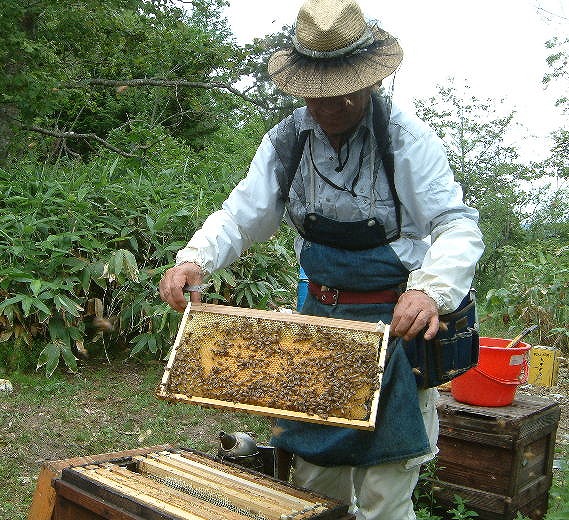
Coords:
pixel 535 291
pixel 83 247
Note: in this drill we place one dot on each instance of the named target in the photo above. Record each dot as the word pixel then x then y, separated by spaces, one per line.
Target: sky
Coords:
pixel 495 46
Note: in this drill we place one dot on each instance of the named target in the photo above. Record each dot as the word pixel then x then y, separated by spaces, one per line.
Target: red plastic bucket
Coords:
pixel 495 379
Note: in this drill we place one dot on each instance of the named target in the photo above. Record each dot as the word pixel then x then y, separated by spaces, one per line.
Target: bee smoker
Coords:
pixel 240 448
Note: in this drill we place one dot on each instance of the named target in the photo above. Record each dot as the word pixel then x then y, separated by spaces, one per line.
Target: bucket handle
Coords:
pixel 521 381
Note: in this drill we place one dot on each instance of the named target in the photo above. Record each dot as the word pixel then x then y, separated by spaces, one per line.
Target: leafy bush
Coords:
pixel 535 291
pixel 83 248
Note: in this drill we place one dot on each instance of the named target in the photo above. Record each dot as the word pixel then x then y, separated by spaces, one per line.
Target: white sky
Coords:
pixel 497 46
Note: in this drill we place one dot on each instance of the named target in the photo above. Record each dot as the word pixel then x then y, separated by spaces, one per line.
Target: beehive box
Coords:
pixel 172 484
pixel 498 459
pixel 291 366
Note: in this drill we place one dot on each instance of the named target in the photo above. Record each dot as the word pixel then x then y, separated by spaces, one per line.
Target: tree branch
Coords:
pixel 76 135
pixel 156 82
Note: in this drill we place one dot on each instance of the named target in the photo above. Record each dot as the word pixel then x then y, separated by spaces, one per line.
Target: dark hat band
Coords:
pixel 366 39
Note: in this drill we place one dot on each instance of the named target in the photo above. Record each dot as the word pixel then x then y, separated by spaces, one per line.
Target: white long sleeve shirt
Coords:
pixel 440 241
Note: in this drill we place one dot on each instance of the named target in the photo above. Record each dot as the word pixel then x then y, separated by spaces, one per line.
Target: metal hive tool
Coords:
pixel 281 365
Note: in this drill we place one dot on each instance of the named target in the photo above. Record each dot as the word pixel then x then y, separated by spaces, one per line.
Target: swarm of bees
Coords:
pixel 311 369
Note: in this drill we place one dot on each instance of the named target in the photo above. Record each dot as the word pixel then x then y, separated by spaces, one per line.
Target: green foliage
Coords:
pixel 460 511
pixel 559 492
pixel 256 56
pixel 83 247
pixel 264 277
pixel 55 50
pixel 474 133
pixel 535 291
pixel 557 62
pixel 424 513
pixel 423 495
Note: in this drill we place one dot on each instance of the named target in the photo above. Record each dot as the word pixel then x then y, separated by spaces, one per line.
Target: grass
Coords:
pixel 100 409
pixel 112 407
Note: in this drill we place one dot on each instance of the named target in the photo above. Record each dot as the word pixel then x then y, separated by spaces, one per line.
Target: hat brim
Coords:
pixel 306 77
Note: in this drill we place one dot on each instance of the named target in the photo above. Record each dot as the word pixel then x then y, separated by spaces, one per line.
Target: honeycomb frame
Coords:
pixel 290 366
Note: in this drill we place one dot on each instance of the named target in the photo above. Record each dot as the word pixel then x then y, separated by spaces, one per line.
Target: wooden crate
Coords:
pixel 45 496
pixel 292 366
pixel 499 459
pixel 172 484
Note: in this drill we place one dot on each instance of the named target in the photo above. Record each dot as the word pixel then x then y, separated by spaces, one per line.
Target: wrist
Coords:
pixel 433 295
pixel 192 266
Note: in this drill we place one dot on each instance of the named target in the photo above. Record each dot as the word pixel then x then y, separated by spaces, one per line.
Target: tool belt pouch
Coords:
pixel 451 352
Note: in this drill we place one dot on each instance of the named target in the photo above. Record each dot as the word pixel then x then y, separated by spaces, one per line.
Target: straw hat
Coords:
pixel 336 52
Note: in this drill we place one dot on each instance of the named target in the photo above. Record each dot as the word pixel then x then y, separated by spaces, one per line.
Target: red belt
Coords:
pixel 330 296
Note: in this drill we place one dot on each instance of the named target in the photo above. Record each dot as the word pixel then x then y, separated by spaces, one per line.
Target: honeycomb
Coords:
pixel 307 365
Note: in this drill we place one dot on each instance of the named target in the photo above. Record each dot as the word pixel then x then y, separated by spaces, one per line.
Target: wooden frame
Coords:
pixel 368 424
pixel 165 483
pixel 43 501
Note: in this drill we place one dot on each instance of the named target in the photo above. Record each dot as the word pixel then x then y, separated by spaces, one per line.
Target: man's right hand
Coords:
pixel 173 282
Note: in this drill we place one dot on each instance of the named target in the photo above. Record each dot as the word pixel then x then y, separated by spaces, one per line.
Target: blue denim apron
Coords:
pixel 399 431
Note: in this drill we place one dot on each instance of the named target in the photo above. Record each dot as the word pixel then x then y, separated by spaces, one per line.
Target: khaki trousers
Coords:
pixel 381 492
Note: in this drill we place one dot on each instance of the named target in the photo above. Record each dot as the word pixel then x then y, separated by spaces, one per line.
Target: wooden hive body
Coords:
pixel 179 485
pixel 280 365
pixel 499 459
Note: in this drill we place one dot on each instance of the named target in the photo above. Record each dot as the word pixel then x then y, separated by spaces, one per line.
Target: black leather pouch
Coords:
pixel 451 352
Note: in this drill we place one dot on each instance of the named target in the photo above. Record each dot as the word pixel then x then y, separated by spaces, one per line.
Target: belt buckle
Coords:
pixel 328 290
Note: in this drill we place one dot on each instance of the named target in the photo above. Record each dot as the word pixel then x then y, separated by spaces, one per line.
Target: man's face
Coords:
pixel 340 114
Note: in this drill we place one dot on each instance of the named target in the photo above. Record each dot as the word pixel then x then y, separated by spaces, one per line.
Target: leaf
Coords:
pixel 166 314
pixel 69 358
pixel 58 331
pixel 150 223
pixel 5 336
pixel 49 357
pixel 113 167
pixel 75 333
pixel 152 345
pixel 40 306
pixel 130 264
pixel 85 279
pixel 140 342
pixel 63 302
pixel 116 263
pixel 11 301
pixel 26 305
pixel 36 286
pixel 162 220
pixel 227 275
pixel 124 260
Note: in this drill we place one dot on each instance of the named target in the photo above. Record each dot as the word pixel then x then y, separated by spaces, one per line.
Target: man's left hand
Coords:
pixel 415 311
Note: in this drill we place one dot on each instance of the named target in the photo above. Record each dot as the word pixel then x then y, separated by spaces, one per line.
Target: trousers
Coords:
pixel 379 492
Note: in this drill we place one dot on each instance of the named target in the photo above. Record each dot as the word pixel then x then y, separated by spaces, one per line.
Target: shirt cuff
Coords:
pixel 438 298
pixel 191 255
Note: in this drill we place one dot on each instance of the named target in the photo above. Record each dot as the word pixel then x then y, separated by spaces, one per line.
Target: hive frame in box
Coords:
pixel 165 483
pixel 380 329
